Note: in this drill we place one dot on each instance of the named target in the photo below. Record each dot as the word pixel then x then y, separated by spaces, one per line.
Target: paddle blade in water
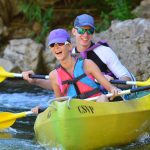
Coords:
pixel 5 135
pixel 2 79
pixel 4 74
pixel 6 124
pixel 6 120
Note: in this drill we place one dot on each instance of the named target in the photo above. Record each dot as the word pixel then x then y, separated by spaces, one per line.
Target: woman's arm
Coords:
pixel 97 74
pixel 43 83
pixel 54 83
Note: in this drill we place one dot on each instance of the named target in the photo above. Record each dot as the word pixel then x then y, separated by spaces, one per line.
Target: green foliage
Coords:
pixel 34 13
pixel 105 22
pixel 31 11
pixel 120 10
pixel 44 31
pixel 46 21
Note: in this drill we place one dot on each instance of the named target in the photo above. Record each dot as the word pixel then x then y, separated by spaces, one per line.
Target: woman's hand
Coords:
pixel 26 76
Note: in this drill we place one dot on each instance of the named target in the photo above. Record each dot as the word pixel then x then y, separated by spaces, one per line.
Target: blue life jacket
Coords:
pixel 90 54
pixel 78 85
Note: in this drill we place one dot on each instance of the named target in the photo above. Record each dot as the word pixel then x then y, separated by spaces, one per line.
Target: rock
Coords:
pixel 143 10
pixel 24 53
pixel 49 59
pixel 130 40
pixel 8 65
pixel 3 30
pixel 36 27
pixel 8 9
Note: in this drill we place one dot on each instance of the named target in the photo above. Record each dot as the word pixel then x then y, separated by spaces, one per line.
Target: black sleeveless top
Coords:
pixel 92 55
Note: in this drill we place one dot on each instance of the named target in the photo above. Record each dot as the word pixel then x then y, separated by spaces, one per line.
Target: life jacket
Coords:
pixel 90 54
pixel 78 85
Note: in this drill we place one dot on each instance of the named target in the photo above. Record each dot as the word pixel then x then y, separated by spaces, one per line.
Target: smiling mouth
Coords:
pixel 84 39
pixel 58 53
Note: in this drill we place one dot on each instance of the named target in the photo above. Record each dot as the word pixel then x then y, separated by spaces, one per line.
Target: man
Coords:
pixel 102 54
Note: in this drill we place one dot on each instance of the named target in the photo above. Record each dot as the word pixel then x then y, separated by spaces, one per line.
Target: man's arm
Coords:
pixel 107 55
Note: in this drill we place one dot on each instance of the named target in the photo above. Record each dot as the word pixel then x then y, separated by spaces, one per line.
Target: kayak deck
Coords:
pixel 91 125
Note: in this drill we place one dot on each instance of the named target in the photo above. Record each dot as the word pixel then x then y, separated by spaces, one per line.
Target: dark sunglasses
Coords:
pixel 82 30
pixel 59 44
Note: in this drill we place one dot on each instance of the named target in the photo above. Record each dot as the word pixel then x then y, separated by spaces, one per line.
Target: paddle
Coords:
pixel 138 83
pixel 123 92
pixel 7 119
pixel 4 74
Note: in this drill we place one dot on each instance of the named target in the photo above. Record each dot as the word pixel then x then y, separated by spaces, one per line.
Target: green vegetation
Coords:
pixel 108 10
pixel 34 13
pixel 120 10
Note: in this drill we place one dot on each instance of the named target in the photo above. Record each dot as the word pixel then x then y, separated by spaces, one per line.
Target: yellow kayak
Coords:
pixel 84 125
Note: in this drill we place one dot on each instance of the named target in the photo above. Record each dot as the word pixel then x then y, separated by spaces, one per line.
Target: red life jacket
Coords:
pixel 79 85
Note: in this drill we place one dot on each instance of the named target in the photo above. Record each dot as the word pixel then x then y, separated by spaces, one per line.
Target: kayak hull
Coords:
pixel 79 124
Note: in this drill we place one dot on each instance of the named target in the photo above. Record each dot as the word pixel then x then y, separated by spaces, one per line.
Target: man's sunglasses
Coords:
pixel 59 44
pixel 82 30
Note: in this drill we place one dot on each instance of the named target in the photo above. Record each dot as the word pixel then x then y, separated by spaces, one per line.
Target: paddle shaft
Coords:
pixel 123 92
pixel 131 90
pixel 39 76
pixel 123 82
pixel 138 83
pixel 19 75
pixel 4 74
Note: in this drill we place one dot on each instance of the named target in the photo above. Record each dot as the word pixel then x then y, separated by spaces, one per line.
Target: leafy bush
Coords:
pixel 120 10
pixel 34 13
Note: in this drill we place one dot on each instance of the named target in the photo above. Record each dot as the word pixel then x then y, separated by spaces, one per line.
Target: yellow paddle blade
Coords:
pixel 143 83
pixel 7 124
pixel 5 135
pixel 7 119
pixel 2 79
pixel 4 74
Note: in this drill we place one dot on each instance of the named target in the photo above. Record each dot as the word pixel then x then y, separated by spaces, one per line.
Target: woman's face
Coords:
pixel 61 50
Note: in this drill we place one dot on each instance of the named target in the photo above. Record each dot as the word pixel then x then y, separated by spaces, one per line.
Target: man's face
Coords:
pixel 83 35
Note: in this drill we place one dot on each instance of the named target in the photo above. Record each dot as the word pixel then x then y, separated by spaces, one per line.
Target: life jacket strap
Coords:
pixel 73 81
pixel 88 94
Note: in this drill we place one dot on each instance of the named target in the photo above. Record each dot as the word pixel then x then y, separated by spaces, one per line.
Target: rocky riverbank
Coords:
pixel 129 39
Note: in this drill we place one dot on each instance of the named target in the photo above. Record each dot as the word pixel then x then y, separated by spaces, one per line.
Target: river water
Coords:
pixel 18 96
